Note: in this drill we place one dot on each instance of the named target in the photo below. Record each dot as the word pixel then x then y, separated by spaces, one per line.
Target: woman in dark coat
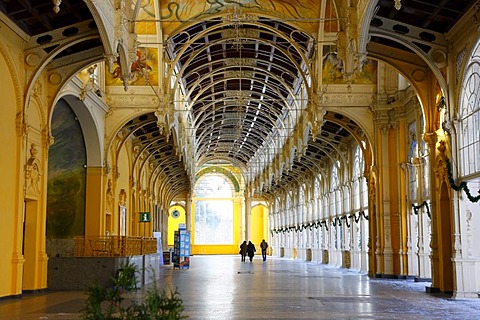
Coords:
pixel 251 250
pixel 243 250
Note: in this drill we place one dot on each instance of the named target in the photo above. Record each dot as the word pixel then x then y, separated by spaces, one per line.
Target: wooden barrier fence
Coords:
pixel 114 246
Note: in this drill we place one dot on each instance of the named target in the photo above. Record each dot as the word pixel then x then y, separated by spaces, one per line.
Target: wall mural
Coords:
pixel 174 13
pixel 145 23
pixel 66 176
pixel 144 69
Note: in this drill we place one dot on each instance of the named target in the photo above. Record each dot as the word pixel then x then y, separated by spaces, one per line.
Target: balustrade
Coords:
pixel 114 246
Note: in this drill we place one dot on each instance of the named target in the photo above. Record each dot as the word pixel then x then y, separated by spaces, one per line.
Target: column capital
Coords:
pixel 430 138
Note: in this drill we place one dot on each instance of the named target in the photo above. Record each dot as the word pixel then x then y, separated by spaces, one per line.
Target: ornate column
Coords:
pixel 386 251
pixel 398 195
pixel 373 246
pixel 412 225
pixel 463 261
pixel 188 212
pixel 431 140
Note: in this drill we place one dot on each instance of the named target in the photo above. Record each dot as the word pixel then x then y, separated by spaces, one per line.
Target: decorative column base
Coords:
pixel 17 273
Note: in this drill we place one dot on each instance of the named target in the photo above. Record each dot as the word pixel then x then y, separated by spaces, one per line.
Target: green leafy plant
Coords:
pixel 110 303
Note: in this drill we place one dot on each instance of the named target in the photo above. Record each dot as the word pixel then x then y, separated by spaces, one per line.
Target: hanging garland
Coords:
pixel 462 185
pixel 355 217
pixel 324 222
pixel 334 221
pixel 416 208
pixel 360 214
pixel 363 214
pixel 346 218
pixel 318 224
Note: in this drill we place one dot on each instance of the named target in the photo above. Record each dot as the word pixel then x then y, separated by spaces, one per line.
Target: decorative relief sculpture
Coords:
pixel 122 198
pixel 109 197
pixel 33 172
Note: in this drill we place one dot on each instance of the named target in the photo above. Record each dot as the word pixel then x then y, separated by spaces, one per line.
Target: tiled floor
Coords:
pixel 223 287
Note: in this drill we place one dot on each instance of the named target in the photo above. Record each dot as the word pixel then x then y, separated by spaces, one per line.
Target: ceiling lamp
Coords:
pixel 56 5
pixel 398 4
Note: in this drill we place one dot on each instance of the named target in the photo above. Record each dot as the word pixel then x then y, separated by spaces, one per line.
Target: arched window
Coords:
pixel 213 222
pixel 469 116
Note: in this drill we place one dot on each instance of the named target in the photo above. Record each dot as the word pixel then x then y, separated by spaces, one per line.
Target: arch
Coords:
pixel 43 66
pixel 220 170
pixel 272 81
pixel 67 176
pixel 102 27
pixel 220 26
pixel 14 77
pixel 259 224
pixel 419 52
pixel 90 130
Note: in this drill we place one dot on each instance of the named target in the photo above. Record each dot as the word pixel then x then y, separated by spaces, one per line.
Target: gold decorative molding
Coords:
pixel 11 65
pixel 47 138
pixel 430 138
pixel 122 198
pixel 109 196
pixel 132 101
pixel 22 127
pixel 56 5
pixel 33 173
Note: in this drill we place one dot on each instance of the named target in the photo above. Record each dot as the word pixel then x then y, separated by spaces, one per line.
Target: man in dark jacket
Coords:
pixel 264 246
pixel 250 250
pixel 243 250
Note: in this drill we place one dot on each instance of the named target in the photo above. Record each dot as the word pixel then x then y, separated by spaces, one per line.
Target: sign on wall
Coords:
pixel 144 216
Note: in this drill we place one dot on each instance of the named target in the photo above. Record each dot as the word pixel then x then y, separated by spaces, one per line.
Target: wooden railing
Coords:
pixel 114 246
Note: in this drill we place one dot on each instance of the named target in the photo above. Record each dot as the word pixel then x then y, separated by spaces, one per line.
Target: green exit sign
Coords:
pixel 144 216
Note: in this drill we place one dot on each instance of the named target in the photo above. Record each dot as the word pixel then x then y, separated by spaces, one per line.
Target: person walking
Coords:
pixel 251 250
pixel 264 246
pixel 243 250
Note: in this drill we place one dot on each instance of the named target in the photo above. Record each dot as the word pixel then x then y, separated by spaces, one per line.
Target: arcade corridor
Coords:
pixel 346 133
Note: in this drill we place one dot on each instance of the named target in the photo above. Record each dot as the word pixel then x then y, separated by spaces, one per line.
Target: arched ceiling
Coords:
pixel 72 30
pixel 337 130
pixel 239 79
pixel 157 151
pixel 421 23
pixel 238 73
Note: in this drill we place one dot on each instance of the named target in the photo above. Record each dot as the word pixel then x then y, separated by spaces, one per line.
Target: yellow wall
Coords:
pixel 258 226
pixel 34 253
pixel 173 223
pixel 122 182
pixel 21 270
pixel 11 217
